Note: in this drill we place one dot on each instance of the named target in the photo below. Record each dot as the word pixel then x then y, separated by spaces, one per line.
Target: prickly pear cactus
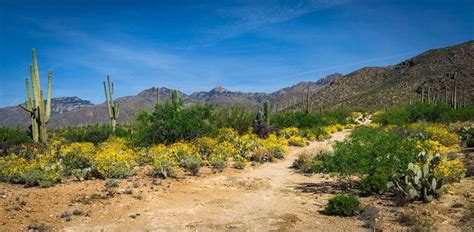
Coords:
pixel 418 181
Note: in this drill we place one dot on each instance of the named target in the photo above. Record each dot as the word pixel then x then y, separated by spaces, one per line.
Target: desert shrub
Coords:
pixel 180 151
pixel 235 117
pixel 418 220
pixel 436 132
pixel 437 147
pixel 334 128
pixel 78 160
pixel 114 159
pixel 300 120
pixel 225 149
pixel 93 134
pixel 374 184
pixel 169 123
pixel 342 205
pixel 205 146
pixel 11 137
pixel 111 186
pixel 304 163
pixel 164 166
pixel 288 132
pixel 393 116
pixel 44 170
pixel 297 141
pixel 240 163
pixel 273 146
pixel 370 151
pixel 192 164
pixel 435 113
pixel 218 164
pixel 450 170
pixel 369 214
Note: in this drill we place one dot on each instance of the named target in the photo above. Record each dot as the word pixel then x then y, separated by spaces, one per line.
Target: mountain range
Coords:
pixel 436 71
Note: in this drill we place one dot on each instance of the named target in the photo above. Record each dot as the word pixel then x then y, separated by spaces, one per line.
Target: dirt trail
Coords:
pixel 262 198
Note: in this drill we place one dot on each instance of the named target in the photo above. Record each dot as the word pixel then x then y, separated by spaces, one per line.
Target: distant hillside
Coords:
pixel 73 111
pixel 376 87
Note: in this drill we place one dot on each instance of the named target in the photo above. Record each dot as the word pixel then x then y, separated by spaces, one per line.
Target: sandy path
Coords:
pixel 258 198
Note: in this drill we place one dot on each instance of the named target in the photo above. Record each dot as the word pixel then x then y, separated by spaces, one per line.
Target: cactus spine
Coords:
pixel 39 113
pixel 266 111
pixel 112 105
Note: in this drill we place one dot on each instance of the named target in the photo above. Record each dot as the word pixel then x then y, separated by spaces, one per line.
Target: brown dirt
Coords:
pixel 267 197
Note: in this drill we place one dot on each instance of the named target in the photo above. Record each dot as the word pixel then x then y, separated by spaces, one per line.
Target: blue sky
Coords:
pixel 251 46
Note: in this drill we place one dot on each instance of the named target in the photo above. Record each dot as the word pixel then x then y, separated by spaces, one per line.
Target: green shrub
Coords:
pixel 93 134
pixel 306 121
pixel 374 184
pixel 11 137
pixel 239 164
pixel 342 205
pixel 369 151
pixel 170 123
pixel 440 113
pixel 304 163
pixel 218 164
pixel 238 118
pixel 164 167
pixel 192 165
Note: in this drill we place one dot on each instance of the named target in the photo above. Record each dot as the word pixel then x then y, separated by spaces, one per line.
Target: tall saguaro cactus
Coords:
pixel 39 113
pixel 308 103
pixel 266 111
pixel 112 105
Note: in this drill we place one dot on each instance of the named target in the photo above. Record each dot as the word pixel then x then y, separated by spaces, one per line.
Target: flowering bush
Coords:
pixel 164 165
pixel 78 159
pixel 205 146
pixel 181 151
pixel 334 128
pixel 437 132
pixel 114 160
pixel 450 170
pixel 288 132
pixel 297 141
pixel 44 170
pixel 437 147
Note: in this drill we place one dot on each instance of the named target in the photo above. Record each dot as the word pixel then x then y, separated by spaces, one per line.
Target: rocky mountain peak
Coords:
pixel 219 89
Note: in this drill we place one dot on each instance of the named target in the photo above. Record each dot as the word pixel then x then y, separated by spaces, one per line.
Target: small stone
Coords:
pixel 128 191
pixel 136 184
pixel 77 212
pixel 65 214
pixel 457 205
pixel 133 216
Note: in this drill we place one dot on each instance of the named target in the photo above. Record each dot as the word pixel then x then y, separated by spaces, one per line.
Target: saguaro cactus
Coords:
pixel 266 111
pixel 175 97
pixel 39 113
pixel 112 105
pixel 157 95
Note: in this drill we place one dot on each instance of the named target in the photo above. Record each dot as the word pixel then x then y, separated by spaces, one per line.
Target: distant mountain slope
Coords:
pixel 14 116
pixel 72 111
pixel 376 87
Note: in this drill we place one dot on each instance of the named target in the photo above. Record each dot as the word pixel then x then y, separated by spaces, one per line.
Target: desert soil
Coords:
pixel 266 197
